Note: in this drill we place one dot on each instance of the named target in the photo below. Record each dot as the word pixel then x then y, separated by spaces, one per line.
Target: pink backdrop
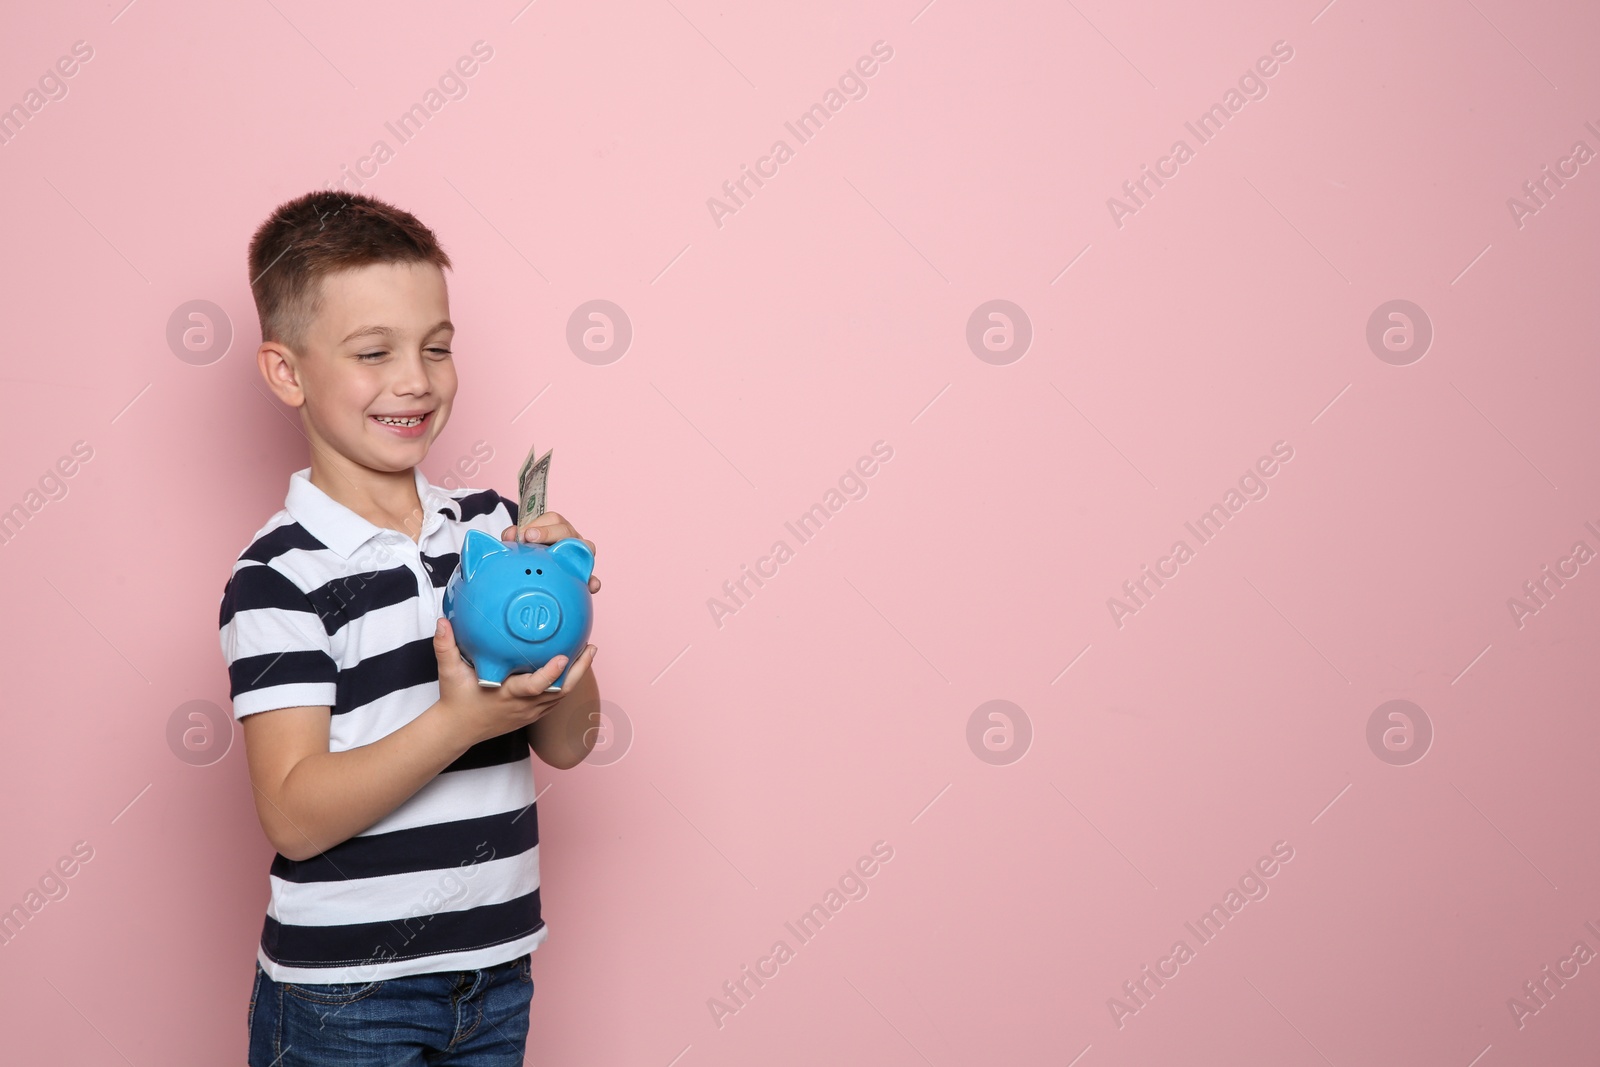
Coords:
pixel 1045 851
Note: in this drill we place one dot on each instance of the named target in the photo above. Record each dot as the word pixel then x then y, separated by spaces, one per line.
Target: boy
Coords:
pixel 397 792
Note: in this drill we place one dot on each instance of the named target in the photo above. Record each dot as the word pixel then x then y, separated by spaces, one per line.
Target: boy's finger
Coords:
pixel 532 529
pixel 545 533
pixel 444 643
pixel 550 528
pixel 580 667
pixel 536 532
pixel 531 685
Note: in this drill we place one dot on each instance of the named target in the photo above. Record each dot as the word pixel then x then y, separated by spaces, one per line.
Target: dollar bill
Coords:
pixel 531 486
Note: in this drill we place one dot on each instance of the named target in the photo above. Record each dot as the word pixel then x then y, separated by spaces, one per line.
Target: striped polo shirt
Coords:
pixel 326 609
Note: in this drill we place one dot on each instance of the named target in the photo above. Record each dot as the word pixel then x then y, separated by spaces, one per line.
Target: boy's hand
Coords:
pixel 547 529
pixel 483 712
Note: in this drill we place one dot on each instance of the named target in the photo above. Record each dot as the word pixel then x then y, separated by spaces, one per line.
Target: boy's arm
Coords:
pixel 282 678
pixel 309 799
pixel 565 735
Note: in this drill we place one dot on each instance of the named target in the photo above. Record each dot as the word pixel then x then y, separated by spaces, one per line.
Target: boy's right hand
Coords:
pixel 482 712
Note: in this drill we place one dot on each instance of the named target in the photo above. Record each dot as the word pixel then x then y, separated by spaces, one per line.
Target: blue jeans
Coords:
pixel 460 1018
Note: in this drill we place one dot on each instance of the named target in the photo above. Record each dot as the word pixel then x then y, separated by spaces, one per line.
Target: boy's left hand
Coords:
pixel 547 529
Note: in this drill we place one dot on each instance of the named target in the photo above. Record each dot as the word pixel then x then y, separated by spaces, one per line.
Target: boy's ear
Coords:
pixel 479 546
pixel 278 369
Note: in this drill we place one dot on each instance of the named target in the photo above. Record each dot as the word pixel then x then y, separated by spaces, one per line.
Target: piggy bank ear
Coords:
pixel 478 547
pixel 574 556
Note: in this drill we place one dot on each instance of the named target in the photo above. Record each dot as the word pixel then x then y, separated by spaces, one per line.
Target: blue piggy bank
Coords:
pixel 516 606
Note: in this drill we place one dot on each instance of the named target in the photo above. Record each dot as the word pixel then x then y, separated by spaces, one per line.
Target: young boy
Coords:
pixel 397 792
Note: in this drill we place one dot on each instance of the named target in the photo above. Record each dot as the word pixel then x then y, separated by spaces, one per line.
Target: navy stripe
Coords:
pixel 281 668
pixel 440 568
pixel 254 587
pixel 439 846
pixel 507 748
pixel 479 503
pixel 343 600
pixel 413 663
pixel 402 939
pixel 271 545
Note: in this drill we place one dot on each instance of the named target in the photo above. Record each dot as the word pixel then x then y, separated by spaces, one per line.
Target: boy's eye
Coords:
pixel 378 355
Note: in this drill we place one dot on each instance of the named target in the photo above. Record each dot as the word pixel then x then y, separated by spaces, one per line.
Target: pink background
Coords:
pixel 769 354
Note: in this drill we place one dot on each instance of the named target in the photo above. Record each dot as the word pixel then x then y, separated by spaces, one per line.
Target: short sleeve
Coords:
pixel 275 644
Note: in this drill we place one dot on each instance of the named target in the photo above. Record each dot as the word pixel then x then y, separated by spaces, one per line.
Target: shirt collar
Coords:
pixel 341 529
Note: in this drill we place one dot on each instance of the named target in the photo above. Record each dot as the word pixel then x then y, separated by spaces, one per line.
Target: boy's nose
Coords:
pixel 412 377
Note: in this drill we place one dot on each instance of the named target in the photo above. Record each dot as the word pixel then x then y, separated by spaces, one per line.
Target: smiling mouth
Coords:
pixel 406 426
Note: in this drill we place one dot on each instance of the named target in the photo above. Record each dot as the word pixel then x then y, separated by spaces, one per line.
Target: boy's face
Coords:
pixel 376 374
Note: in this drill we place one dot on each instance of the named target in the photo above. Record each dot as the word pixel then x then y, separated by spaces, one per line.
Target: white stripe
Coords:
pixel 379 718
pixel 378 631
pixel 269 631
pixel 469 794
pixel 391 898
pixel 310 568
pixel 273 697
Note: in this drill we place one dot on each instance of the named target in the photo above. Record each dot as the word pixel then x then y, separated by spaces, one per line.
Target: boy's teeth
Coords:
pixel 399 422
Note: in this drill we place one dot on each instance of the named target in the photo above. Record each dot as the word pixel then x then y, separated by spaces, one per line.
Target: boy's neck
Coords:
pixel 387 499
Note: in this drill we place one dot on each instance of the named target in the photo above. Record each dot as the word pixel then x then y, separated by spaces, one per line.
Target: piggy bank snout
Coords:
pixel 533 616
